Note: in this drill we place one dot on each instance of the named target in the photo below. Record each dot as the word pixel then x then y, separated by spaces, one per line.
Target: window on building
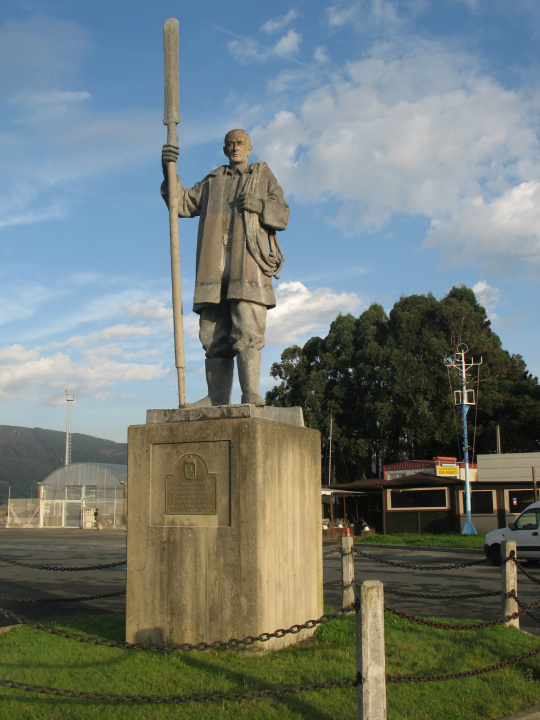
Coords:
pixel 481 502
pixel 418 499
pixel 519 499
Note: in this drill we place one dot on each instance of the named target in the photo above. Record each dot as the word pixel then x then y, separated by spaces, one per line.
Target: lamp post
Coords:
pixel 70 397
pixel 465 398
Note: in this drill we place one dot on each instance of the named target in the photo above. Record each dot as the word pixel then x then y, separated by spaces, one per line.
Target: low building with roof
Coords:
pixel 418 496
pixel 70 496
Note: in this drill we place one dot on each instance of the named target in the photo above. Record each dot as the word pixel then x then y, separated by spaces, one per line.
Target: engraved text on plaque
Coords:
pixel 191 489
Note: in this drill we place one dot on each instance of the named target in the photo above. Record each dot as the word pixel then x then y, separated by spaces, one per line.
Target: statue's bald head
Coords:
pixel 242 132
pixel 237 147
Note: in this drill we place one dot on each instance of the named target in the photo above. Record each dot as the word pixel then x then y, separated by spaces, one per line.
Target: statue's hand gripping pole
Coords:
pixel 171 118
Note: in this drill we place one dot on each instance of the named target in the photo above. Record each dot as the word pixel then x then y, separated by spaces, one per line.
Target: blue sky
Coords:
pixel 405 134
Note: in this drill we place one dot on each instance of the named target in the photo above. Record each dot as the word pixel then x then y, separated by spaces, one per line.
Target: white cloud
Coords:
pixel 122 332
pixel 288 45
pixel 506 230
pixel 487 296
pixel 114 332
pixel 320 55
pixel 247 50
pixel 416 129
pixel 28 372
pixel 152 309
pixel 300 311
pixel 102 307
pixel 280 23
pixel 191 326
pixel 366 14
pixel 22 369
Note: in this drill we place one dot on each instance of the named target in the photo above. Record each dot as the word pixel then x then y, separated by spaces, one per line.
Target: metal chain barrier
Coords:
pixel 527 610
pixel 332 551
pixel 62 569
pixel 465 673
pixel 522 569
pixel 171 699
pixel 407 566
pixel 465 626
pixel 84 598
pixel 184 647
pixel 432 596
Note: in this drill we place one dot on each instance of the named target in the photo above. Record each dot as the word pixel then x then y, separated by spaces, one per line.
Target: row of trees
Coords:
pixel 383 381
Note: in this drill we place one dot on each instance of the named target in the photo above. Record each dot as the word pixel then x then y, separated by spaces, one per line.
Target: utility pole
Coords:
pixel 70 397
pixel 330 454
pixel 465 398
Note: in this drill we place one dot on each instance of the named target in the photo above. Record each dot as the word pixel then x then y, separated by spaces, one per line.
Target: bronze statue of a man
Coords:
pixel 241 206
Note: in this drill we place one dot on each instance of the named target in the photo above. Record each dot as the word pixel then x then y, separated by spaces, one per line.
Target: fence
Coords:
pixel 23 513
pixel 370 679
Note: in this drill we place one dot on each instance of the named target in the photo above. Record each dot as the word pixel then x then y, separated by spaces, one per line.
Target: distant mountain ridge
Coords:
pixel 28 455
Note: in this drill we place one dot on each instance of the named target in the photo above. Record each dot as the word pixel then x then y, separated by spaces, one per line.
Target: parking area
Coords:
pixel 82 548
pixel 60 548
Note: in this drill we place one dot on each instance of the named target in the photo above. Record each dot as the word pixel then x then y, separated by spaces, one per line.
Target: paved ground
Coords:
pixel 62 548
pixel 528 714
pixel 80 548
pixel 477 579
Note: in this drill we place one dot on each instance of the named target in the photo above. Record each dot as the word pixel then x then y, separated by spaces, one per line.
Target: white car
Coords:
pixel 524 530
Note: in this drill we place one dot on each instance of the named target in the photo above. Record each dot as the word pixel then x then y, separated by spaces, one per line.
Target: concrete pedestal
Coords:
pixel 224 531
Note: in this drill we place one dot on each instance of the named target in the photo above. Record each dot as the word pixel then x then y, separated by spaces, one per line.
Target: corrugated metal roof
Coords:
pixel 88 474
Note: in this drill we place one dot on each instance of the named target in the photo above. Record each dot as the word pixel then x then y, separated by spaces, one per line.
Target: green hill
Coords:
pixel 28 455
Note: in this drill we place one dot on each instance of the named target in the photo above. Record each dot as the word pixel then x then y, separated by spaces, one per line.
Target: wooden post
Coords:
pixel 370 659
pixel 171 118
pixel 347 571
pixel 509 582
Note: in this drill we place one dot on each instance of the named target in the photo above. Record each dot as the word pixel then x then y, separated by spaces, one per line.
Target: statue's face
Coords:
pixel 237 147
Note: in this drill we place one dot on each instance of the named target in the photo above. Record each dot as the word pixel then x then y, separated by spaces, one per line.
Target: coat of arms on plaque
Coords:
pixel 190 467
pixel 190 489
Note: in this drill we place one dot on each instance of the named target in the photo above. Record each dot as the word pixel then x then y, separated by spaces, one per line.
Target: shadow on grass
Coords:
pixel 112 628
pixel 106 626
pixel 294 703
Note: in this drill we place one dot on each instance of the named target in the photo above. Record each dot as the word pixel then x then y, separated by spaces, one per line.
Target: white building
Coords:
pixel 69 496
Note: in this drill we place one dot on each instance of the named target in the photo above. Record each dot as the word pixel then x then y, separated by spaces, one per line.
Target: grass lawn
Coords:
pixel 39 658
pixel 449 540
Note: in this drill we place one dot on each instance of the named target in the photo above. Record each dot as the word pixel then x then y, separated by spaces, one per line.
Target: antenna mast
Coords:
pixel 70 397
pixel 465 398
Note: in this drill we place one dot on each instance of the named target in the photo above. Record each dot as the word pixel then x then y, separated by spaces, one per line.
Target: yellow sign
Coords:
pixel 448 470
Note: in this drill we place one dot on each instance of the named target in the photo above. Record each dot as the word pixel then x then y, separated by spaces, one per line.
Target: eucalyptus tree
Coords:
pixel 383 381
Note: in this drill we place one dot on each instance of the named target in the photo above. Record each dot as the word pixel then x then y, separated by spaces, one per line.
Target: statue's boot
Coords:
pixel 219 378
pixel 249 372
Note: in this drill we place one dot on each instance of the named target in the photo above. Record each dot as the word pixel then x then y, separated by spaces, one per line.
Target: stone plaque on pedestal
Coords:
pixel 224 532
pixel 191 489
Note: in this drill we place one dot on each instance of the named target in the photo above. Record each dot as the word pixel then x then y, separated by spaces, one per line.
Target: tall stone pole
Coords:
pixel 171 118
